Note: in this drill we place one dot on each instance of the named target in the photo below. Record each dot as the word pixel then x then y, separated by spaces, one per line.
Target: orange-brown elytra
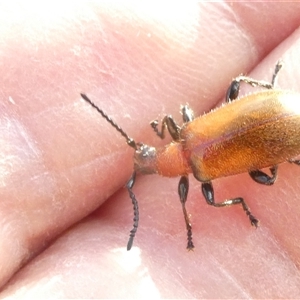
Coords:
pixel 245 135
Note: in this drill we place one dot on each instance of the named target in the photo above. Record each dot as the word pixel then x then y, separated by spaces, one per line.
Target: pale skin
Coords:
pixel 60 160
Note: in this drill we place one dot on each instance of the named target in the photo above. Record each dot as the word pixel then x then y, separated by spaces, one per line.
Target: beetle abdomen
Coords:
pixel 259 130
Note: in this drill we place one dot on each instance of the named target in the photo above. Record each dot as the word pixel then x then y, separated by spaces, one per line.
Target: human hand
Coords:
pixel 60 160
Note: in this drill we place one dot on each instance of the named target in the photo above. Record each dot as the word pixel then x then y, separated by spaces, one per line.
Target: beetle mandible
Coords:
pixel 245 135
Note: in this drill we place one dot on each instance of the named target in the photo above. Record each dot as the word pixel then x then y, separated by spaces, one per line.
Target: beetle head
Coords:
pixel 145 159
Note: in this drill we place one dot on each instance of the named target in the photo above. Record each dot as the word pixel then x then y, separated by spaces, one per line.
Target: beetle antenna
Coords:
pixel 129 186
pixel 129 140
pixel 131 181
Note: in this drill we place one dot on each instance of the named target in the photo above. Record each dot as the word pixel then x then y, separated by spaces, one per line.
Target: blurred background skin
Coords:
pixel 60 161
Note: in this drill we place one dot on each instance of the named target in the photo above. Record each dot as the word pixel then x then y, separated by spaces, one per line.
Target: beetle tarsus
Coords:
pixel 294 161
pixel 190 245
pixel 183 189
pixel 278 66
pixel 254 222
pixel 154 125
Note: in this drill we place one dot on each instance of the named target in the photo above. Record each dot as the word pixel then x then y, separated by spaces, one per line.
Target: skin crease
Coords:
pixel 60 160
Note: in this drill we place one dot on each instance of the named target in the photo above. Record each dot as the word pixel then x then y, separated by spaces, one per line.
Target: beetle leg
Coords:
pixel 168 122
pixel 294 161
pixel 233 91
pixel 278 67
pixel 262 178
pixel 187 113
pixel 129 186
pixel 234 88
pixel 183 189
pixel 208 193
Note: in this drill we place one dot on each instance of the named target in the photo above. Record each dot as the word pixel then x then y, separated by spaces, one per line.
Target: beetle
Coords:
pixel 246 134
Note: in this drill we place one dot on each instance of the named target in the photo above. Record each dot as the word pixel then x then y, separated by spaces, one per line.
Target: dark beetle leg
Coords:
pixel 183 186
pixel 208 193
pixel 278 67
pixel 187 114
pixel 183 189
pixel 234 88
pixel 262 178
pixel 129 186
pixel 294 161
pixel 168 122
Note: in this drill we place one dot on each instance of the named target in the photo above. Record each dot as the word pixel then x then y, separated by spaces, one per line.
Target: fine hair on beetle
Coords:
pixel 214 146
